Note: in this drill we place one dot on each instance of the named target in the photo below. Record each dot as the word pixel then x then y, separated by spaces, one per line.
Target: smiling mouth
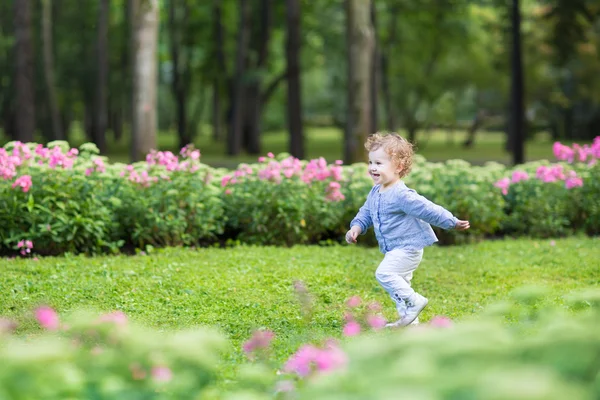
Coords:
pixel 375 175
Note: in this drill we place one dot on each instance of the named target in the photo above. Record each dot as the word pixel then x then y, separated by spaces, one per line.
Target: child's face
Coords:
pixel 382 169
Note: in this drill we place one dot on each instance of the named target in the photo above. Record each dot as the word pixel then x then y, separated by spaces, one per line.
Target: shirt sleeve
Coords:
pixel 418 206
pixel 363 217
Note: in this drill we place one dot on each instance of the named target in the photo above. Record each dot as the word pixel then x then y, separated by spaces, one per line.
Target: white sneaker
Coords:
pixel 401 308
pixel 414 305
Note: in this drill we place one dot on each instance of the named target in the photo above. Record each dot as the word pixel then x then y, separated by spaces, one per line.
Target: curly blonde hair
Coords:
pixel 399 149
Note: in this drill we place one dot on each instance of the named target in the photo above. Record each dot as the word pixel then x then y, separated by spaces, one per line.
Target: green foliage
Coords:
pixel 181 210
pixel 535 344
pixel 62 212
pixel 92 358
pixel 589 200
pixel 467 191
pixel 545 354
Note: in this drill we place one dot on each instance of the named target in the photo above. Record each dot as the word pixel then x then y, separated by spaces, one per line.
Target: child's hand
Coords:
pixel 352 234
pixel 462 225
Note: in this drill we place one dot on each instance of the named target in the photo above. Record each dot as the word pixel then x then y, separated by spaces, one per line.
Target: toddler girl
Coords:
pixel 402 221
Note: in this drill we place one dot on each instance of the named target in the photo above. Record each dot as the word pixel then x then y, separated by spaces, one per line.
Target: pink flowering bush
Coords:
pixel 50 202
pixel 463 189
pixel 72 200
pixel 283 200
pixel 83 356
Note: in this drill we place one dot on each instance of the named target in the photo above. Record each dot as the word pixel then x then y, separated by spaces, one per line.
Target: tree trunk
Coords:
pixel 375 68
pixel 360 49
pixel 260 39
pixel 387 48
pixel 387 97
pixel 234 139
pixel 218 78
pixel 24 71
pixel 100 114
pixel 145 32
pixel 252 120
pixel 517 111
pixel 179 86
pixel 56 124
pixel 294 87
pixel 472 132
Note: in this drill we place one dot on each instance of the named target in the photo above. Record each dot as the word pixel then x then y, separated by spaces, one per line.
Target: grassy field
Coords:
pixel 239 289
pixel 328 143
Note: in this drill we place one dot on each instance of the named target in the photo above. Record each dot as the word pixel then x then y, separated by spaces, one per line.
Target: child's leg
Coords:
pixel 395 273
pixel 408 279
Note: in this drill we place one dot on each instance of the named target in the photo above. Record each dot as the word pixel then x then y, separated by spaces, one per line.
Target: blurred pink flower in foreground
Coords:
pixel 116 317
pixel 259 340
pixel 161 374
pixel 376 321
pixel 47 317
pixel 352 328
pixel 440 321
pixel 310 358
pixel 353 302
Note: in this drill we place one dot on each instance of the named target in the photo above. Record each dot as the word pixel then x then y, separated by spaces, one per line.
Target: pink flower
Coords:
pixel 440 322
pixel 116 317
pixel 260 340
pixel 353 302
pixel 225 180
pixel 309 358
pixel 25 246
pixel 161 374
pixel 270 155
pixel 563 152
pixel 330 358
pixel 24 182
pixel 352 328
pixel 571 183
pixel 518 176
pixel 47 317
pixel 376 321
pixel 503 184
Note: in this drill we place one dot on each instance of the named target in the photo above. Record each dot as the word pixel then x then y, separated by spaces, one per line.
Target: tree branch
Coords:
pixel 268 92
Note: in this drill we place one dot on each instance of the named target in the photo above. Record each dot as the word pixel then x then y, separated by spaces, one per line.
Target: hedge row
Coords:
pixel 56 199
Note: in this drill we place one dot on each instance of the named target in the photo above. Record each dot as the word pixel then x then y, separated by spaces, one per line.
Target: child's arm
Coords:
pixel 360 224
pixel 418 206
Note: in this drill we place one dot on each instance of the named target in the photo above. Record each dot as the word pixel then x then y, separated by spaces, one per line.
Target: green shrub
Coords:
pixel 62 212
pixel 181 210
pixel 590 199
pixel 108 358
pixel 466 191
pixel 266 206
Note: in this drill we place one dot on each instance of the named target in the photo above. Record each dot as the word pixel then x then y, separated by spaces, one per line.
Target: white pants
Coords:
pixel 395 273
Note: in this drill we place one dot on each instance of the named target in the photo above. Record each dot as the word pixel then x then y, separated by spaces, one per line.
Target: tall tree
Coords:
pixel 294 92
pixel 517 130
pixel 178 13
pixel 49 75
pixel 218 81
pixel 359 36
pixel 145 34
pixel 24 72
pixel 375 71
pixel 100 114
pixel 234 137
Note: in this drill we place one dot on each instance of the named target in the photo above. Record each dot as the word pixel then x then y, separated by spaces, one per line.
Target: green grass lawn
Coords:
pixel 328 143
pixel 239 289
